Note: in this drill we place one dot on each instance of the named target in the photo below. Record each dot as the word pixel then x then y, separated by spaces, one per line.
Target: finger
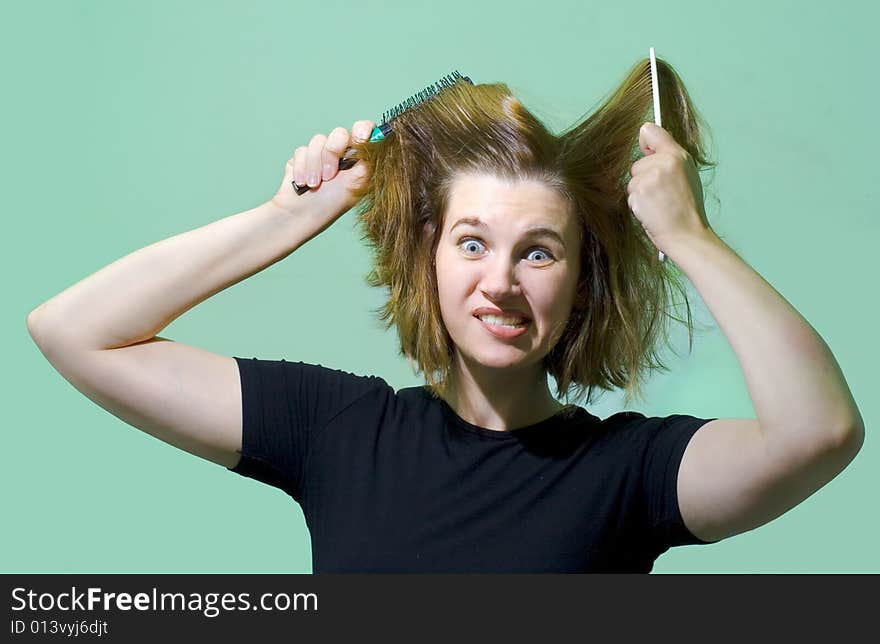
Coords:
pixel 651 138
pixel 361 130
pixel 299 165
pixel 631 203
pixel 313 159
pixel 640 165
pixel 334 147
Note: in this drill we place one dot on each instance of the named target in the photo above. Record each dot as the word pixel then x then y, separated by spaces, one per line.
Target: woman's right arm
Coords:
pixel 101 333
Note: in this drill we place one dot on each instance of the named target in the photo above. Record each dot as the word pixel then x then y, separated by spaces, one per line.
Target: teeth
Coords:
pixel 494 319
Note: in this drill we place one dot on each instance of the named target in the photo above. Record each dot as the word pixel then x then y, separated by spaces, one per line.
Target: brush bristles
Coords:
pixel 424 95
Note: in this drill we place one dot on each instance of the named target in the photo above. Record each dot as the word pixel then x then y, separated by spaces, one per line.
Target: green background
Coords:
pixel 130 122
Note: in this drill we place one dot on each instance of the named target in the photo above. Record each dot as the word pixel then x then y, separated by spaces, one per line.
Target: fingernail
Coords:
pixel 313 178
pixel 328 171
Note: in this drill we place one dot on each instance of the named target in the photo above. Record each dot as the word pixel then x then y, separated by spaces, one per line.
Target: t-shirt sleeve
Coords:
pixel 283 405
pixel 665 441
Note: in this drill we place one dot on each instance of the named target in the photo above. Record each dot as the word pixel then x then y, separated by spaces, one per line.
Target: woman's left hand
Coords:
pixel 665 192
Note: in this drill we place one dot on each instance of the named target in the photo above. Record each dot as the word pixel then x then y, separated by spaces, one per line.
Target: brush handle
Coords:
pixel 344 164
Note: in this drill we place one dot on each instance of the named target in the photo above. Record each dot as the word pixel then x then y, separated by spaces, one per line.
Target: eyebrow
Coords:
pixel 533 230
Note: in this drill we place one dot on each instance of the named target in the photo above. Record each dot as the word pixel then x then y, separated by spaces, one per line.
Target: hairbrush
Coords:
pixel 385 127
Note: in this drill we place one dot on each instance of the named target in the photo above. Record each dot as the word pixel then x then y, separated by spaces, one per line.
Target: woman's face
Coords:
pixel 505 263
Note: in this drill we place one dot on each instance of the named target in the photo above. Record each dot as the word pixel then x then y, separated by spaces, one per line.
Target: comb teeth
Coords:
pixel 422 96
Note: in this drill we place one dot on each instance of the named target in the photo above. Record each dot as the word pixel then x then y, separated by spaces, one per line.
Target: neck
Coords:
pixel 500 399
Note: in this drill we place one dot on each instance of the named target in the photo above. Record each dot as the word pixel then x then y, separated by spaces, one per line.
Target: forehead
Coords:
pixel 502 201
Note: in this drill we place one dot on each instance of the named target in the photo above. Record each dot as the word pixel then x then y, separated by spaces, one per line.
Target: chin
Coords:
pixel 501 357
pixel 485 350
pixel 499 362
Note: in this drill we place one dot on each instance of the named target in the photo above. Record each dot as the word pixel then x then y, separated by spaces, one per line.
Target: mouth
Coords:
pixel 503 328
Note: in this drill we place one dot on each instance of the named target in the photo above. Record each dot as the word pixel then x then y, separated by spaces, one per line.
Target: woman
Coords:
pixel 508 254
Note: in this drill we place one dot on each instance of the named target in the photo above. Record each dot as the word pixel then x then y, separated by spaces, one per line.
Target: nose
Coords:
pixel 499 279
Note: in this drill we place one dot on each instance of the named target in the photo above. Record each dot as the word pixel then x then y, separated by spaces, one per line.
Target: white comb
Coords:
pixel 655 90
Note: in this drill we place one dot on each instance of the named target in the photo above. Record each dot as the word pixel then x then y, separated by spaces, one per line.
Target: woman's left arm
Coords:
pixel 796 386
pixel 737 474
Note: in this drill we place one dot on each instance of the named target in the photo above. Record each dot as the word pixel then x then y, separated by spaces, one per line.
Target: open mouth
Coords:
pixel 512 323
pixel 503 327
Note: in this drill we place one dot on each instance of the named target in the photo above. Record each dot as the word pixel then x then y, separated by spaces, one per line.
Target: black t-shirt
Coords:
pixel 396 482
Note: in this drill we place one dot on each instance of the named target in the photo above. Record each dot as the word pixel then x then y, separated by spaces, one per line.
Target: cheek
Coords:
pixel 556 311
pixel 548 294
pixel 453 278
pixel 451 287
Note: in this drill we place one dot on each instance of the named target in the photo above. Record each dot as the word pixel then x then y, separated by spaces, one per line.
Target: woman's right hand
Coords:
pixel 331 190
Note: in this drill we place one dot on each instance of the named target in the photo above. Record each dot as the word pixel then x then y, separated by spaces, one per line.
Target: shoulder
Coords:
pixel 313 393
pixel 639 436
pixel 639 425
pixel 298 371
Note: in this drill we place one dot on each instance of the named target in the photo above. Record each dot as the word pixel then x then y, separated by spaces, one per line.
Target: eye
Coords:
pixel 471 242
pixel 544 251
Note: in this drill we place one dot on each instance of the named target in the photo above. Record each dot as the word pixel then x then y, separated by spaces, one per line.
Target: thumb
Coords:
pixel 653 138
pixel 356 176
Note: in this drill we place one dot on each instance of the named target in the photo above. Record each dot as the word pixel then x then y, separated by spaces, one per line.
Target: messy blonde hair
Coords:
pixel 624 292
